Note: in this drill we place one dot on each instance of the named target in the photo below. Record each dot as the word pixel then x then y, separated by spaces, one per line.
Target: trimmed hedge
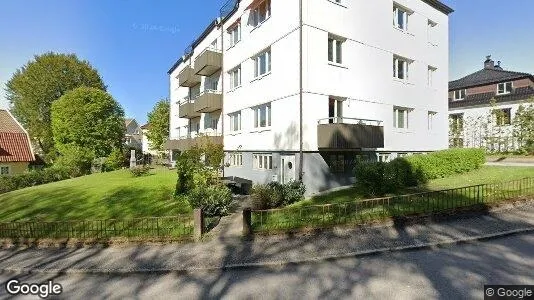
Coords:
pixel 214 200
pixel 33 178
pixel 380 178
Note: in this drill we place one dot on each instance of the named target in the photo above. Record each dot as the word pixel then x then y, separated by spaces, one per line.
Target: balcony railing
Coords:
pixel 208 62
pixel 349 133
pixel 208 101
pixel 187 109
pixel 188 78
pixel 185 142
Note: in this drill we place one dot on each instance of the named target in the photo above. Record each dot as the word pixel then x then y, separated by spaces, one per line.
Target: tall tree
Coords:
pixel 88 118
pixel 33 88
pixel 159 120
pixel 524 127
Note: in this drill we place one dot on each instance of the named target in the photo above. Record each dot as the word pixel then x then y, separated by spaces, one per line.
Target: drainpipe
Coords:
pixel 301 157
pixel 220 21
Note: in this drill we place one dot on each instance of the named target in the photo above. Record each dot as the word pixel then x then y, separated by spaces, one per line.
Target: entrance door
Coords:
pixel 287 168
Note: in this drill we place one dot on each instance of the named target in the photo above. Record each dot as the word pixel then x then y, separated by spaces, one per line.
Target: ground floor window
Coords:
pixel 236 160
pixel 456 142
pixel 383 157
pixel 175 154
pixel 4 170
pixel 344 162
pixel 263 161
pixel 402 154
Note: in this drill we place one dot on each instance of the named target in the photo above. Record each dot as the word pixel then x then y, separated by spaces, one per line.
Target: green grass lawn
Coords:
pixel 99 196
pixel 486 174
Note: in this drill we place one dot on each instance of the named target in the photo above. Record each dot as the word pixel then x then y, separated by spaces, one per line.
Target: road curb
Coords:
pixel 275 264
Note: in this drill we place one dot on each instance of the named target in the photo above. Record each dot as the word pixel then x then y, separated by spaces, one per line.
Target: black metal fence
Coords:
pixel 361 211
pixel 168 227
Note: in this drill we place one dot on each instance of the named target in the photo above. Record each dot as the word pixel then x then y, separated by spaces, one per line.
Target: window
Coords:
pixel 263 161
pixel 431 73
pixel 456 122
pixel 194 91
pixel 261 13
pixel 335 110
pixel 400 67
pixel 431 116
pixel 504 88
pixel 400 17
pixel 262 116
pixel 235 34
pixel 236 160
pixel 212 83
pixel 335 49
pixel 459 94
pixel 262 63
pixel 235 121
pixel 215 44
pixel 431 27
pixel 210 122
pixel 400 117
pixel 383 157
pixel 4 170
pixel 503 116
pixel 337 163
pixel 235 77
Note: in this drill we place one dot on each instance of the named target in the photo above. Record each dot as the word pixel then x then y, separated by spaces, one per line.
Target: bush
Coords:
pixel 33 178
pixel 214 200
pixel 379 178
pixel 139 171
pixel 115 160
pixel 77 160
pixel 275 194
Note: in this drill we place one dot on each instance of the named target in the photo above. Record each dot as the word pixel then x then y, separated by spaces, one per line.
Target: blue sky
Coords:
pixel 133 43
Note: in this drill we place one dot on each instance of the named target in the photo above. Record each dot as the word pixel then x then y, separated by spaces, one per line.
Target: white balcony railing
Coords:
pixel 345 120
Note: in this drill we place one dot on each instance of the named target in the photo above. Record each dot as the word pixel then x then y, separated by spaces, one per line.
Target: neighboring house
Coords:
pixel 133 136
pixel 147 145
pixel 482 107
pixel 16 152
pixel 372 83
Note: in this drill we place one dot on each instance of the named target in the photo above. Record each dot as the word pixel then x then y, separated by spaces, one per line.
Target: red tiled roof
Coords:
pixel 8 124
pixel 15 147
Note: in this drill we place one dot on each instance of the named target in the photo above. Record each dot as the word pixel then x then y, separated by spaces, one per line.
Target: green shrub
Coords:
pixel 139 171
pixel 214 200
pixel 115 160
pixel 77 160
pixel 33 178
pixel 275 194
pixel 187 165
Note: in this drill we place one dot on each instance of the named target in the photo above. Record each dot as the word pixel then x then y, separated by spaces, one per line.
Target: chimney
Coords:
pixel 498 66
pixel 489 63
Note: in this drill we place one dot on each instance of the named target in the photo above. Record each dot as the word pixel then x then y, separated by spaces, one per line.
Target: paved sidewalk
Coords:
pixel 233 252
pixel 510 164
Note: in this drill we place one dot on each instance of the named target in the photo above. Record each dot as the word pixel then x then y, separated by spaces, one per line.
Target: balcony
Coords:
pixel 188 78
pixel 208 62
pixel 187 109
pixel 184 143
pixel 349 133
pixel 208 101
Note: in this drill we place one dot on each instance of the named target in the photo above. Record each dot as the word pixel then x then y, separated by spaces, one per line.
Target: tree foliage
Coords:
pixel 89 118
pixel 524 127
pixel 159 120
pixel 33 88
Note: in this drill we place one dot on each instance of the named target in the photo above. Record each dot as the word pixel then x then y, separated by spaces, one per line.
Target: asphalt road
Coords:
pixel 453 272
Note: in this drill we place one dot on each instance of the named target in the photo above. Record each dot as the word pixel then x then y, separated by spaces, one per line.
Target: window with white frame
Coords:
pixel 194 92
pixel 235 121
pixel 400 117
pixel 4 170
pixel 262 63
pixel 262 116
pixel 459 94
pixel 430 119
pixel 261 13
pixel 383 157
pixel 236 160
pixel 211 121
pixel 400 17
pixel 263 161
pixel 215 44
pixel 235 77
pixel 430 75
pixel 195 126
pixel 335 49
pixel 400 67
pixel 504 88
pixel 503 116
pixel 431 28
pixel 235 34
pixel 211 83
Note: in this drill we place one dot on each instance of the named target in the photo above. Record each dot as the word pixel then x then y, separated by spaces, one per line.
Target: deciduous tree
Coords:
pixel 159 120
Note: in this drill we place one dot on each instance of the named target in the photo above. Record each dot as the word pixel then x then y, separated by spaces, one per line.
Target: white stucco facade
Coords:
pixel 363 82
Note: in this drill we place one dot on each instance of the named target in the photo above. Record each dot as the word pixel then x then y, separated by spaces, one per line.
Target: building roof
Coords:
pixel 14 140
pixel 522 93
pixel 146 126
pixel 231 8
pixel 486 76
pixel 127 121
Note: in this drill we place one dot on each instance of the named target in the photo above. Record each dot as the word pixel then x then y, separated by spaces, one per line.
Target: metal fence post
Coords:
pixel 198 219
pixel 247 222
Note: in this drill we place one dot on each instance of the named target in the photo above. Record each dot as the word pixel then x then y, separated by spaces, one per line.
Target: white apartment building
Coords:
pixel 298 89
